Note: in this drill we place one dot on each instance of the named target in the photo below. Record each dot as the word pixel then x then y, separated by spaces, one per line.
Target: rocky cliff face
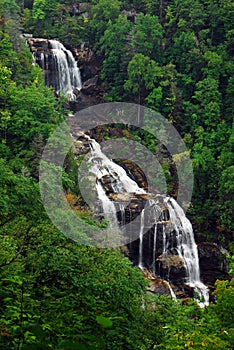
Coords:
pixel 89 63
pixel 213 262
pixel 169 266
pixel 92 91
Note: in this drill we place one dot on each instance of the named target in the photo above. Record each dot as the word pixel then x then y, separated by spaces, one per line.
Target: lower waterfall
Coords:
pixel 172 233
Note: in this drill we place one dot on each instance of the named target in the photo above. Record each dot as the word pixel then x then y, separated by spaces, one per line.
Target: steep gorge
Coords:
pixel 165 242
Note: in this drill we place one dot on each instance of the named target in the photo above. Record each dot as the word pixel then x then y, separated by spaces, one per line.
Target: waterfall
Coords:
pixel 171 229
pixel 154 246
pixel 187 249
pixel 102 166
pixel 107 205
pixel 171 291
pixel 141 239
pixel 60 69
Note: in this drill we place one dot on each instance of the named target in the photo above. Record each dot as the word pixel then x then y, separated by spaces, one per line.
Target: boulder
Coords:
pixel 171 267
pixel 159 287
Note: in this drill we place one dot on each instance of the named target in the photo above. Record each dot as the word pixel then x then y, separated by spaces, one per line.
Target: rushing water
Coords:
pixel 176 230
pixel 60 69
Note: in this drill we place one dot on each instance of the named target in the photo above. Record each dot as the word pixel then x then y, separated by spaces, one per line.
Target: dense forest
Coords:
pixel 175 57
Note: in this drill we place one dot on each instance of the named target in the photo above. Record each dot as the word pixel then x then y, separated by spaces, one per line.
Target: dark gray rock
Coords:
pixel 213 262
pixel 90 86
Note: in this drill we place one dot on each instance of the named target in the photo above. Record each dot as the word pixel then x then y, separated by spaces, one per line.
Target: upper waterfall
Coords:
pixel 60 68
pixel 173 238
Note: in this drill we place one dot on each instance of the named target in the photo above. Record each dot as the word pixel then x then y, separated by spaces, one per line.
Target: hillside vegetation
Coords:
pixel 173 56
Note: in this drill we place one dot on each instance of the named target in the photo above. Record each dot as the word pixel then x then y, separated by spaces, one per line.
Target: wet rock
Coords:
pixel 156 284
pixel 81 144
pixel 171 267
pixel 134 172
pixel 77 93
pixel 186 301
pixel 108 182
pixel 135 197
pixel 171 261
pixel 92 92
pixel 84 101
pixel 147 274
pixel 159 286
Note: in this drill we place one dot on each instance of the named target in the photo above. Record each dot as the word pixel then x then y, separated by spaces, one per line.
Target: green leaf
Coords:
pixel 105 322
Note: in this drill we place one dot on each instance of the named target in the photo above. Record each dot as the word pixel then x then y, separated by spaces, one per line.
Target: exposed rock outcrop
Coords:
pixel 213 262
pixel 38 44
pixel 92 91
pixel 130 14
pixel 134 172
pixel 158 286
pixel 166 262
pixel 77 9
pixel 171 267
pixel 89 62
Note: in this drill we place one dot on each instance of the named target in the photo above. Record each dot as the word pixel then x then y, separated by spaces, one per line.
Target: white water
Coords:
pixel 107 205
pixel 109 211
pixel 154 247
pixel 102 165
pixel 68 72
pixel 180 226
pixel 171 291
pixel 141 239
pixel 187 249
pixel 61 70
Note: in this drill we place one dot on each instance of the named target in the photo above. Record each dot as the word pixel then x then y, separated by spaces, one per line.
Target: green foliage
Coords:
pixel 148 36
pixel 100 14
pixel 56 20
pixel 67 294
pixel 177 58
pixel 114 45
pixel 143 74
pixel 28 109
pixel 224 298
pixel 16 189
pixel 41 7
pixel 226 189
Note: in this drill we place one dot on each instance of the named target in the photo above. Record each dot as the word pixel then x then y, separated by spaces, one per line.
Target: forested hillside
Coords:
pixel 175 57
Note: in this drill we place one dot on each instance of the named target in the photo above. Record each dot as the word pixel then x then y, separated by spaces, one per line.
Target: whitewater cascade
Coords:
pixel 171 229
pixel 60 69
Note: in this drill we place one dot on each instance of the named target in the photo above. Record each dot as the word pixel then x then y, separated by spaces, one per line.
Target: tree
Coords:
pixel 143 74
pixel 114 45
pixel 100 13
pixel 209 97
pixel 42 7
pixel 148 36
